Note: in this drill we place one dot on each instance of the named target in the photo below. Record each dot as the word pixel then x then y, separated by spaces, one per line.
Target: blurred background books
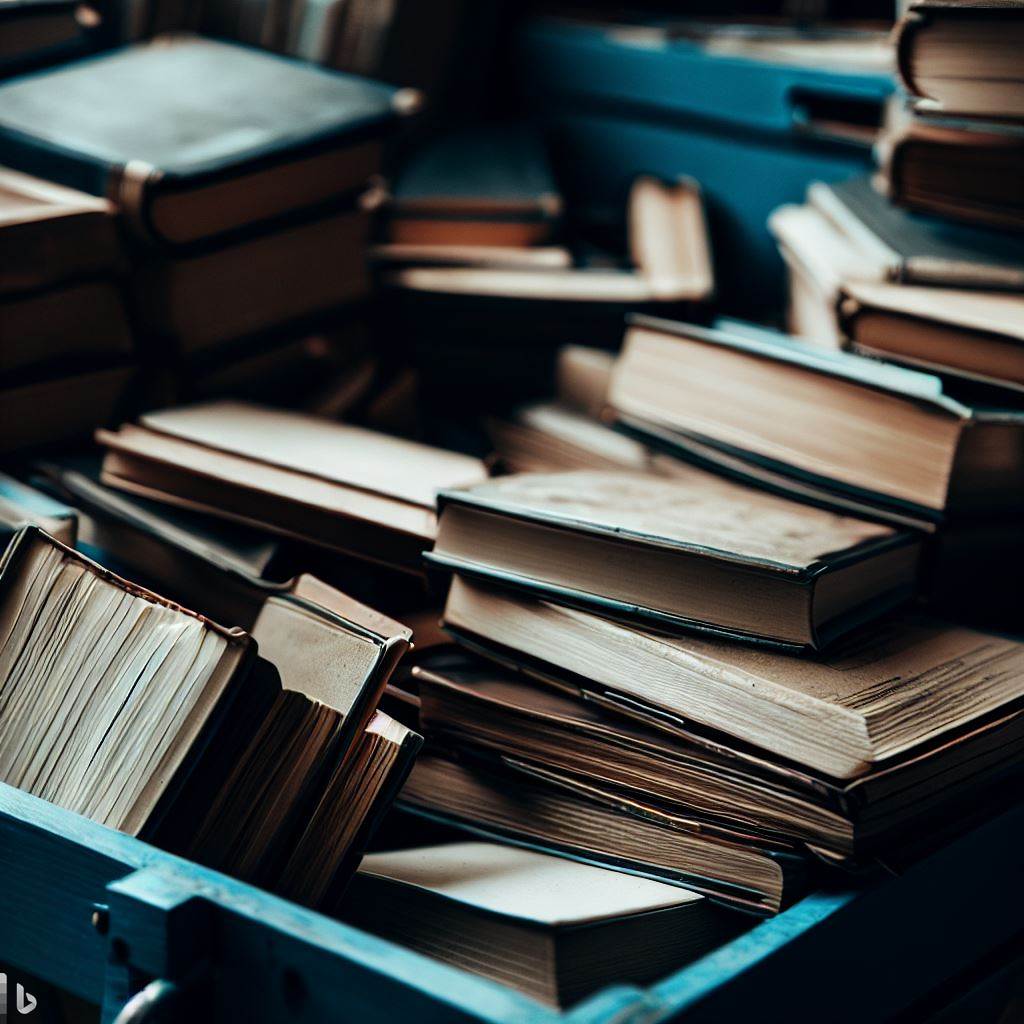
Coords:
pixel 574 454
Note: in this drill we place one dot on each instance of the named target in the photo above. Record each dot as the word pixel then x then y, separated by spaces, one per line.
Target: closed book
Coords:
pixel 885 436
pixel 334 485
pixel 547 926
pixel 690 551
pixel 896 246
pixel 969 172
pixel 961 57
pixel 968 335
pixel 128 697
pixel 266 135
pixel 333 656
pixel 514 801
pixel 844 714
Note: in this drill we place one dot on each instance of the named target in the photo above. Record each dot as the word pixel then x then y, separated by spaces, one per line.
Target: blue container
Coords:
pixel 754 134
pixel 107 917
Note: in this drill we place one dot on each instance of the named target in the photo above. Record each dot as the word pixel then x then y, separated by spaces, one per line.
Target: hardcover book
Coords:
pixel 195 138
pixel 687 551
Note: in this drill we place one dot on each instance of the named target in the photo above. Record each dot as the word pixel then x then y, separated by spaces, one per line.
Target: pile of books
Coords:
pixel 576 713
pixel 486 278
pixel 243 183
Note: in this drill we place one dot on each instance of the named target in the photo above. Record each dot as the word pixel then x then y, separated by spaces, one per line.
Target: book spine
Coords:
pixel 905 33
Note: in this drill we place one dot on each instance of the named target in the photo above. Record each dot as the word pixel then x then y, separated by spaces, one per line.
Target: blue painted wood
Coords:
pixel 616 110
pixel 262 959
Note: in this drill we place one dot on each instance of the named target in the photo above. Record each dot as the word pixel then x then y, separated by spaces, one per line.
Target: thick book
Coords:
pixel 887 436
pixel 195 138
pixel 51 234
pixel 974 336
pixel 514 801
pixel 691 551
pixel 109 692
pixel 962 57
pixel 894 245
pixel 465 700
pixel 571 926
pixel 338 486
pixel 875 697
pixel 484 185
pixel 971 172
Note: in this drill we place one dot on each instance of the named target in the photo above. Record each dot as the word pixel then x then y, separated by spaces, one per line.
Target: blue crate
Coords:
pixel 104 916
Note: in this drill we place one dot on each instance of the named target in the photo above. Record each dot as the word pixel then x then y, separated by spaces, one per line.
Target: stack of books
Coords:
pixel 242 177
pixel 927 274
pixel 692 678
pixel 960 154
pixel 489 282
pixel 67 353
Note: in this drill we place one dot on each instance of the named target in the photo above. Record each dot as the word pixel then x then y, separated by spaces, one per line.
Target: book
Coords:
pixel 572 926
pixel 512 801
pixel 334 657
pixel 107 688
pixel 969 172
pixel 896 246
pixel 21 505
pixel 485 185
pixel 357 797
pixel 960 57
pixel 50 234
pixel 467 701
pixel 884 435
pixel 40 32
pixel 269 282
pixel 976 336
pixel 690 551
pixel 335 485
pixel 319 133
pixel 875 697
